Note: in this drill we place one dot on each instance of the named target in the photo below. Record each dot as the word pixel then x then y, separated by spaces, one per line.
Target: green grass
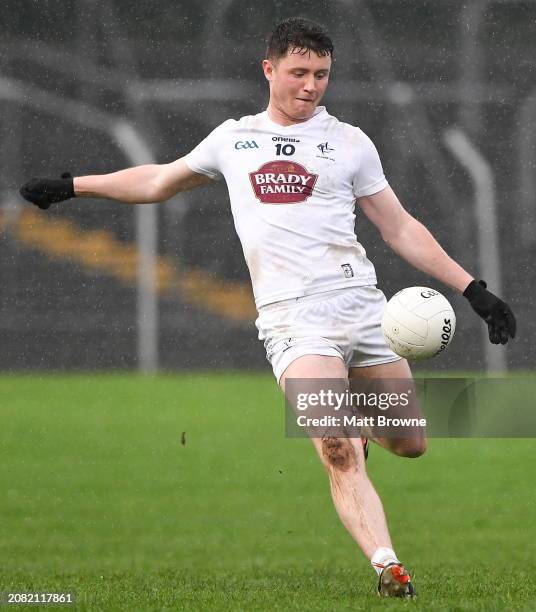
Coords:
pixel 98 495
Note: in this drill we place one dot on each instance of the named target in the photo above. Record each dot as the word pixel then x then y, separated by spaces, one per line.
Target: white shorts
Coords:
pixel 343 323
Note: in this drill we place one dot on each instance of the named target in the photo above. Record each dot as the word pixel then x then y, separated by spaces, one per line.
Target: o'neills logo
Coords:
pixel 282 182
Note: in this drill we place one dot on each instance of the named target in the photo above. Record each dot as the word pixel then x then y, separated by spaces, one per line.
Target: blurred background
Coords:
pixel 446 89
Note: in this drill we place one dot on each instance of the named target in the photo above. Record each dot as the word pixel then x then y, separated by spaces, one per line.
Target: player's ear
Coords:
pixel 268 69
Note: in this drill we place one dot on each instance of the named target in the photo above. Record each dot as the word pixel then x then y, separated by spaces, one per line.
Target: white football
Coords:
pixel 418 323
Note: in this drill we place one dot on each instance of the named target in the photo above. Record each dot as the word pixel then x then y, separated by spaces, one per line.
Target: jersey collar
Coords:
pixel 320 112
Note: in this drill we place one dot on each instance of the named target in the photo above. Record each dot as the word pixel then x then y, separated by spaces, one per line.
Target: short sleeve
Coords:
pixel 205 158
pixel 369 177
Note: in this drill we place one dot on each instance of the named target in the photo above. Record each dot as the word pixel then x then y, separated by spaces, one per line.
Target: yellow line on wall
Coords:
pixel 100 251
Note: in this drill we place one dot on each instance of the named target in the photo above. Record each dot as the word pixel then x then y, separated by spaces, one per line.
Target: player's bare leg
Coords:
pixel 356 501
pixel 415 445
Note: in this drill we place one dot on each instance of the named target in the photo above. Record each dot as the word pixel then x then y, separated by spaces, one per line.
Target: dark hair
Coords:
pixel 298 33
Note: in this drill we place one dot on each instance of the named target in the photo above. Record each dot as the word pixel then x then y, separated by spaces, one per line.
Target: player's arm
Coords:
pixel 137 185
pixel 413 242
pixel 141 184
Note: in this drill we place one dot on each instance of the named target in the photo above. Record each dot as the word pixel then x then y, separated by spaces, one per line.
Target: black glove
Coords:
pixel 44 192
pixel 497 314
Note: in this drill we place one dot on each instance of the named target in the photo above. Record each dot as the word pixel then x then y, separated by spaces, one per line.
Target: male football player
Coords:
pixel 294 173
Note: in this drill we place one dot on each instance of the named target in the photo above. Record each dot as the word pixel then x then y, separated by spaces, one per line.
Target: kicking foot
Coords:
pixel 395 581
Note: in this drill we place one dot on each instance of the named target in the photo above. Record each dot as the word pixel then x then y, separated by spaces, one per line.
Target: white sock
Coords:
pixel 381 558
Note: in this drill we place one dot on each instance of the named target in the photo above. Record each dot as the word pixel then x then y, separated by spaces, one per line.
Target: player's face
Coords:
pixel 297 82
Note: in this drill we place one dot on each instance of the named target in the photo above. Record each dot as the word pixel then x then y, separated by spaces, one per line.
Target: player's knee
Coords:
pixel 412 448
pixel 339 453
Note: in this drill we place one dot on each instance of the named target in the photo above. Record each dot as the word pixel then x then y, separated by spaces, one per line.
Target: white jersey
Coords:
pixel 292 191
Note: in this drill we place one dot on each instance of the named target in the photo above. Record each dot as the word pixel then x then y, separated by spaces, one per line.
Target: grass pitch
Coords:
pixel 182 492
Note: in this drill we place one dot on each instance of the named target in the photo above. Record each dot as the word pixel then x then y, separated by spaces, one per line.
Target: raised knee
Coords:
pixel 339 453
pixel 411 448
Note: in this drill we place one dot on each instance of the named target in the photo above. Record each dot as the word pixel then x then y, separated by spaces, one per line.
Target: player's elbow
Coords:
pixel 161 189
pixel 392 237
pixel 174 178
pixel 388 237
pixel 397 231
pixel 159 195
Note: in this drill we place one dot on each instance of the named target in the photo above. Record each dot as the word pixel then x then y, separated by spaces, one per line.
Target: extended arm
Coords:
pixel 411 240
pixel 414 243
pixel 141 184
pixel 138 185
